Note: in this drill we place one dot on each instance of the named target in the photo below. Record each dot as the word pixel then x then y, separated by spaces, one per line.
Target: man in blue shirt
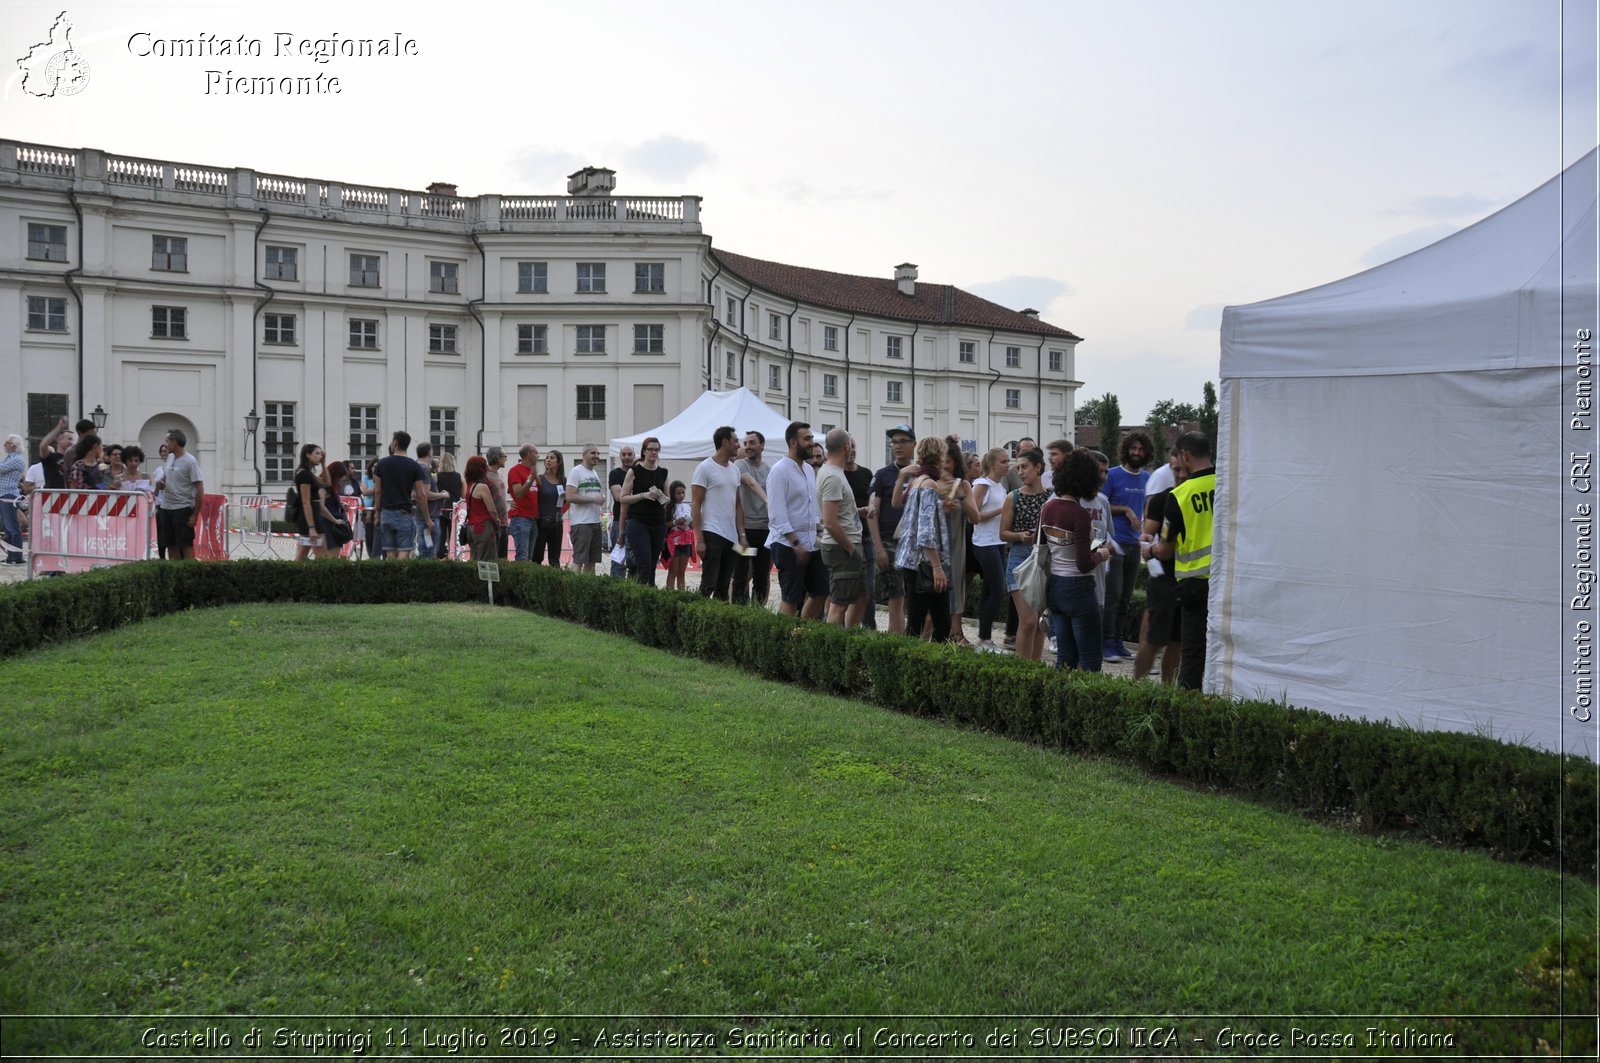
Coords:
pixel 1124 489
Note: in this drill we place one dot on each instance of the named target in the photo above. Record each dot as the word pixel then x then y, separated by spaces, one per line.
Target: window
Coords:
pixel 895 392
pixel 533 339
pixel 47 242
pixel 283 264
pixel 649 339
pixel 830 385
pixel 591 402
pixel 893 348
pixel 364 433
pixel 733 311
pixel 591 276
pixel 1013 357
pixel 442 277
pixel 649 276
pixel 1055 361
pixel 733 368
pixel 363 334
pixel 1013 398
pixel 774 327
pixel 277 441
pixel 775 378
pixel 533 277
pixel 169 323
pixel 442 428
pixel 824 429
pixel 363 271
pixel 441 339
pixel 969 351
pixel 46 313
pixel 830 338
pixel 277 328
pixel 169 253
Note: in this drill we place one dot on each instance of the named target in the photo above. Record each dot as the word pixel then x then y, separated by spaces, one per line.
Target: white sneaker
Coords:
pixel 985 646
pixel 1049 644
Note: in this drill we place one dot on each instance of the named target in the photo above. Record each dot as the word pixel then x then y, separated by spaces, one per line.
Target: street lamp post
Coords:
pixel 252 421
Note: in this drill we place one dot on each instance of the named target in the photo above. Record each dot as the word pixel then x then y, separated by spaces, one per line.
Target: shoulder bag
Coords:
pixel 1033 574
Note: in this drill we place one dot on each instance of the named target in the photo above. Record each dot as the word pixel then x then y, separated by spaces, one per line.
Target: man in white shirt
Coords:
pixel 585 494
pixel 841 533
pixel 792 520
pixel 716 514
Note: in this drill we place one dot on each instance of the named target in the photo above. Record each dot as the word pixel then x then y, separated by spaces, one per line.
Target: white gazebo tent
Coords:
pixel 1395 521
pixel 688 435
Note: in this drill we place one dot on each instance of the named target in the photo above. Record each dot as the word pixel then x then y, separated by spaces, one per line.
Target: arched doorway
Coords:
pixel 154 433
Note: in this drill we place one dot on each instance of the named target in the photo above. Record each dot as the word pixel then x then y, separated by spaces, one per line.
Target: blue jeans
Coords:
pixel 524 533
pixel 1075 622
pixel 11 531
pixel 397 531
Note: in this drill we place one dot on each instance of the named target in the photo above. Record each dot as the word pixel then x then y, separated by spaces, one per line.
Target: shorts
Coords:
pixel 587 548
pixel 888 583
pixel 1161 604
pixel 172 528
pixel 797 582
pixel 1018 554
pixel 397 531
pixel 845 573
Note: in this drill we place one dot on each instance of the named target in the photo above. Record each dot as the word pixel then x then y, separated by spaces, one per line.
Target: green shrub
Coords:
pixel 1519 803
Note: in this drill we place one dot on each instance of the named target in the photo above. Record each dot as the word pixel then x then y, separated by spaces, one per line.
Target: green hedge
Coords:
pixel 1453 788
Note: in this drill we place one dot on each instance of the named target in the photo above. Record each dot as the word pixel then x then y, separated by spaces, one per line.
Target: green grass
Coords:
pixel 459 809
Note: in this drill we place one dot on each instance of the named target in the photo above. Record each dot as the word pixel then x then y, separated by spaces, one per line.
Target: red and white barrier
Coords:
pixel 74 531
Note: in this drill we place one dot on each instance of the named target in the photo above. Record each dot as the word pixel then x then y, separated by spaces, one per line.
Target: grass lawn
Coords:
pixel 459 809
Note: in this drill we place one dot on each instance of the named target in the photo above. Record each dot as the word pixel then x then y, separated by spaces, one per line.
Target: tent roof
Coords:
pixel 688 435
pixel 1479 299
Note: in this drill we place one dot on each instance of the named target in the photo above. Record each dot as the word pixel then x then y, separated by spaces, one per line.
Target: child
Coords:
pixel 680 537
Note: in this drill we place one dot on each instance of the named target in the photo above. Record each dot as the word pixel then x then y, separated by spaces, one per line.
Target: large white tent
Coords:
pixel 688 435
pixel 1398 533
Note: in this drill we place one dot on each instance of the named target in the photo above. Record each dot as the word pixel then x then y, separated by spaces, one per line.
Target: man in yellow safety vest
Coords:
pixel 1185 541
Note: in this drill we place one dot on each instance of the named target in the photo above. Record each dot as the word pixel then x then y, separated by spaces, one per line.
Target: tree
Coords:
pixel 1173 412
pixel 1208 416
pixel 1110 426
pixel 1158 438
pixel 1089 412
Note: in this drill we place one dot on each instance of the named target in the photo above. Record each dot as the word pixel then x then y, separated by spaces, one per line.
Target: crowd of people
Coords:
pixel 77 457
pixel 911 536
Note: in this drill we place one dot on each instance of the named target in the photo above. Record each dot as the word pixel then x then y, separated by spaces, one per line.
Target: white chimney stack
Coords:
pixel 1029 311
pixel 592 181
pixel 905 275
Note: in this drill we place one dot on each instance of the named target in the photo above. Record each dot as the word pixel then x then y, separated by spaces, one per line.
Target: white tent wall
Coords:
pixel 1394 510
pixel 1379 554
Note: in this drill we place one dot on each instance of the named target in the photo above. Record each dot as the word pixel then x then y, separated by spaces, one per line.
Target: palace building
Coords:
pixel 257 312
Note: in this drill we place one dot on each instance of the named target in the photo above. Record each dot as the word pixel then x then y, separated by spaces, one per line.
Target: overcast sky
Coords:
pixel 1127 169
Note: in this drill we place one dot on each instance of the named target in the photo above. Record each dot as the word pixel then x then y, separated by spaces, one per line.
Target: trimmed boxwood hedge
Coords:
pixel 1458 789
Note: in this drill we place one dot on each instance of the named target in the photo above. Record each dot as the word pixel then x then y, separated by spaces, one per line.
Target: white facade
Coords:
pixel 183 296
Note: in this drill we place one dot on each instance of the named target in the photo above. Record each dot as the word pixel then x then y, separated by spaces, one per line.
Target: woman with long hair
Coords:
pixel 483 517
pixel 1068 534
pixel 552 504
pixel 1019 526
pixel 85 473
pixel 448 480
pixel 644 493
pixel 312 520
pixel 988 549
pixel 923 554
pixel 961 514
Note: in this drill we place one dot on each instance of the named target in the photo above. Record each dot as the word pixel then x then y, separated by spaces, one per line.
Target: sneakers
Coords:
pixel 1010 643
pixel 1122 650
pixel 1111 650
pixel 986 646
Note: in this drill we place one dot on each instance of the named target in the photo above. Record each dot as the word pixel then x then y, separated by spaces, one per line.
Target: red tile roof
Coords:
pixel 940 304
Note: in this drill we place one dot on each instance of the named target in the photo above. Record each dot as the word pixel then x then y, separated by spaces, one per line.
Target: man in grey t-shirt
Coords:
pixel 178 508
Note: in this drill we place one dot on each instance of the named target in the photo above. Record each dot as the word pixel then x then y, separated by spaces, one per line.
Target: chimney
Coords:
pixel 592 181
pixel 905 275
pixel 441 188
pixel 1029 311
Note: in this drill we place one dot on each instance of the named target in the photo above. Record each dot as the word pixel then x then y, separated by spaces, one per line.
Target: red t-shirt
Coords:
pixel 528 505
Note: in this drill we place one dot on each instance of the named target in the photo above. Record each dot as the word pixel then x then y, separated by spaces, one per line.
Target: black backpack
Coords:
pixel 291 505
